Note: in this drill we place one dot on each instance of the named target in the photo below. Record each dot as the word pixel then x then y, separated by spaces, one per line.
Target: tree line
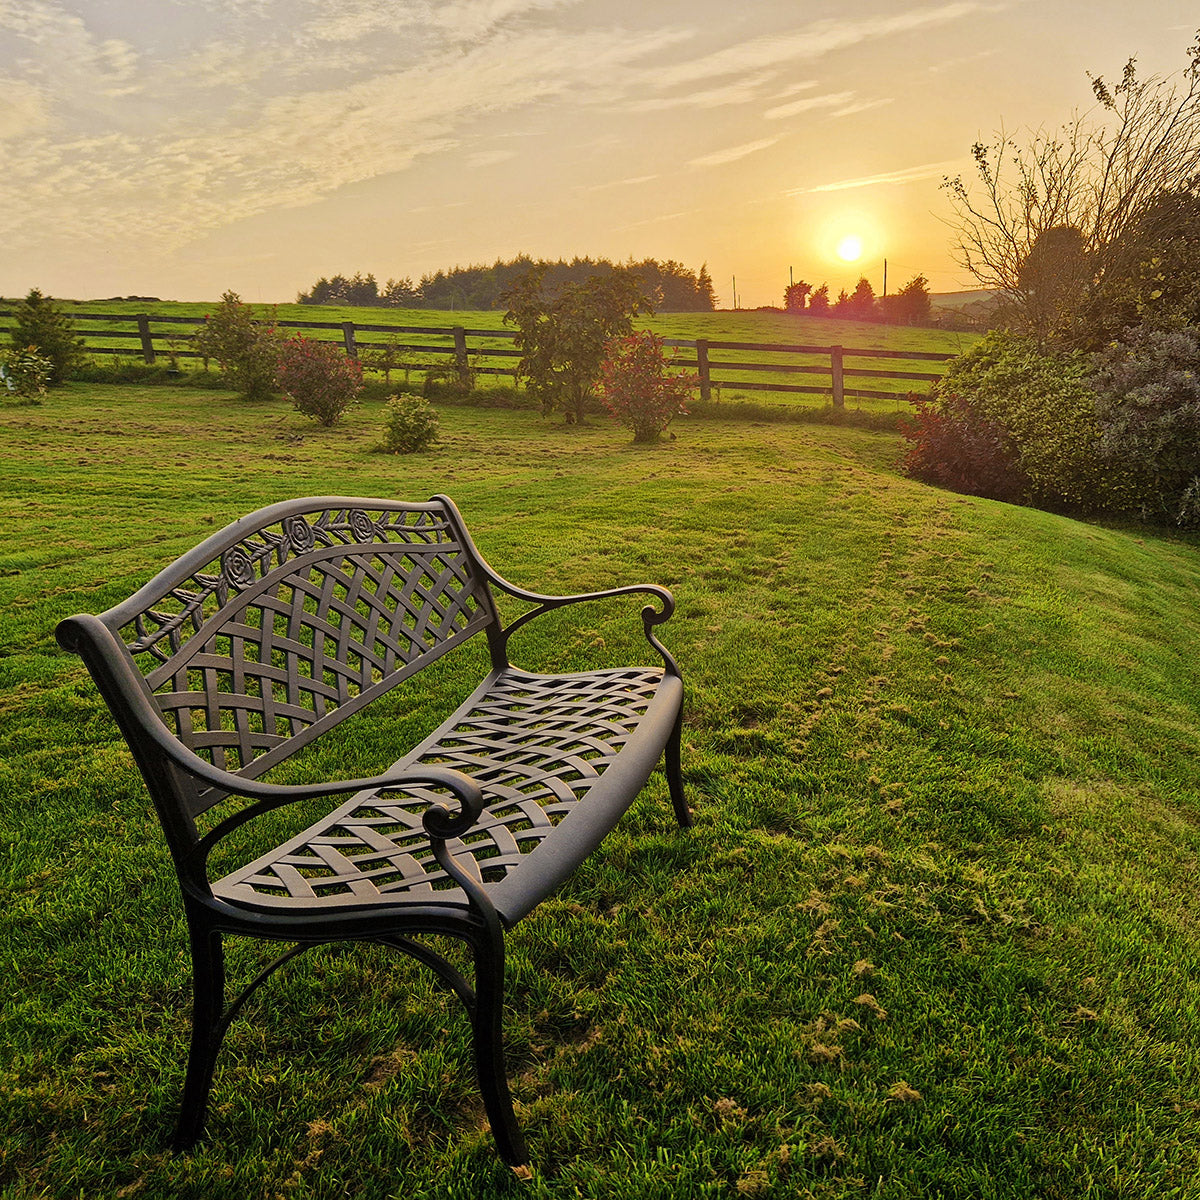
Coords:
pixel 670 285
pixel 909 306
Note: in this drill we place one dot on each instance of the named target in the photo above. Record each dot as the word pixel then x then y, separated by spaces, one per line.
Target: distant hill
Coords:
pixel 973 309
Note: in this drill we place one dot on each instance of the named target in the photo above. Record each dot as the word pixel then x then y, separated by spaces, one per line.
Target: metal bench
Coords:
pixel 284 624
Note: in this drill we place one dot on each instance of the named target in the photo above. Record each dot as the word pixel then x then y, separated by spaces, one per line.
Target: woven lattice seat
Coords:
pixel 284 624
pixel 537 746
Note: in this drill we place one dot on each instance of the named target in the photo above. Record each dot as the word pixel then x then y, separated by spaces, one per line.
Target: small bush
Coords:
pixel 1148 403
pixel 409 424
pixel 637 388
pixel 246 351
pixel 25 374
pixel 319 378
pixel 40 324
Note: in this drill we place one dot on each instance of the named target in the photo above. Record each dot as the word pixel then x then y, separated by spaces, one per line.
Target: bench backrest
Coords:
pixel 292 619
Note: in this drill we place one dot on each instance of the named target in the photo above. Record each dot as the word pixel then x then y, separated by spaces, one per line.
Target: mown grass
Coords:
pixel 934 933
pixel 775 328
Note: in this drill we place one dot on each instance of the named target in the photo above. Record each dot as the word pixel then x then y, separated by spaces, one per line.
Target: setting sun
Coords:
pixel 850 248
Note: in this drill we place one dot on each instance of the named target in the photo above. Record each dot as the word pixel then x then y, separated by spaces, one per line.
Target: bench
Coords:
pixel 290 620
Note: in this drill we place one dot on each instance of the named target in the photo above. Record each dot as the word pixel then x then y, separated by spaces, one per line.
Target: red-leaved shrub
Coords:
pixel 952 444
pixel 637 387
pixel 319 378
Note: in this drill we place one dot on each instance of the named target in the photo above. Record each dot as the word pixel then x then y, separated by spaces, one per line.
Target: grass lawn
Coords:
pixel 934 933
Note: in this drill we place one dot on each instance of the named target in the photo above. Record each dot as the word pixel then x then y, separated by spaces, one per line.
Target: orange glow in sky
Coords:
pixel 180 150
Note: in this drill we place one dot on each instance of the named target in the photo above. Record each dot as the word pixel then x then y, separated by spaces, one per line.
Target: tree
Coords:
pixel 1089 203
pixel 244 349
pixel 42 325
pixel 861 304
pixel 562 338
pixel 911 305
pixel 818 302
pixel 794 296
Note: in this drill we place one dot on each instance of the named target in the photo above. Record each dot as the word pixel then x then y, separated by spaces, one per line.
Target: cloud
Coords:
pixel 889 178
pixel 24 112
pixel 721 157
pixel 808 104
pixel 863 106
pixel 815 41
pixel 192 165
pixel 489 158
pixel 740 92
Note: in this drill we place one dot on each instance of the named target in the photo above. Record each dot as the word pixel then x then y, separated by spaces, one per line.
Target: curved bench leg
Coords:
pixel 674 769
pixel 208 998
pixel 488 1043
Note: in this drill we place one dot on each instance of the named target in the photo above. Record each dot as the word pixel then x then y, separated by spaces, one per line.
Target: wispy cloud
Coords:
pixel 809 104
pixel 721 157
pixel 812 42
pixel 888 178
pixel 741 91
pixel 232 143
pixel 863 106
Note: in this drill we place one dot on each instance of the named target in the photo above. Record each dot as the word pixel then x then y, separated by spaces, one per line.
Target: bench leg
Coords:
pixel 683 814
pixel 488 1029
pixel 208 997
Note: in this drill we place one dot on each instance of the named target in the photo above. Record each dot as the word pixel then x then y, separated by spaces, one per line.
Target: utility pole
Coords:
pixel 885 276
pixel 735 293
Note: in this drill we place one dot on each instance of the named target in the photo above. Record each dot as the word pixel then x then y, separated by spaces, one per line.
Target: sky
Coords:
pixel 182 148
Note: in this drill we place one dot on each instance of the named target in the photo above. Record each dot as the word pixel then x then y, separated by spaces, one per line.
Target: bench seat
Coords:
pixel 538 746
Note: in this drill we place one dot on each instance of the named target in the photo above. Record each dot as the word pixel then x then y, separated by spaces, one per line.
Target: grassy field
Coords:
pixel 933 935
pixel 760 327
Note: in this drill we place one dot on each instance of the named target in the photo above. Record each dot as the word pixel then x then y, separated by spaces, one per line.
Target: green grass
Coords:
pixel 760 327
pixel 934 933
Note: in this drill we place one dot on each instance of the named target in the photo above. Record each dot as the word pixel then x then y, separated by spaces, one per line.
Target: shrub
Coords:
pixel 1019 422
pixel 951 443
pixel 25 374
pixel 410 424
pixel 40 324
pixel 1148 402
pixel 246 351
pixel 319 378
pixel 637 388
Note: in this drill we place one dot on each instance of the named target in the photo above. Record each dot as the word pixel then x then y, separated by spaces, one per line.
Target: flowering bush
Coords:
pixel 409 424
pixel 319 378
pixel 246 351
pixel 25 374
pixel 636 387
pixel 1148 405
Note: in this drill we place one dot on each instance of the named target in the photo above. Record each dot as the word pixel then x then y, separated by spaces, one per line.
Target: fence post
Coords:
pixel 143 324
pixel 348 338
pixel 460 356
pixel 702 369
pixel 839 385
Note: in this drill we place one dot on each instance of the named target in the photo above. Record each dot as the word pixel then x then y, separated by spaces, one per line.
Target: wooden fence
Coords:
pixel 458 351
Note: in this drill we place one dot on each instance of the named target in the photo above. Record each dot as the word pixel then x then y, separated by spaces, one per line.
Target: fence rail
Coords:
pixel 450 349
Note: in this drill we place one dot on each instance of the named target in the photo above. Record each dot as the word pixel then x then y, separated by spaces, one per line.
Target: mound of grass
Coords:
pixel 934 933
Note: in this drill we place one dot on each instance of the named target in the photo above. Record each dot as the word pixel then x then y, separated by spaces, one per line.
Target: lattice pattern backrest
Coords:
pixel 297 625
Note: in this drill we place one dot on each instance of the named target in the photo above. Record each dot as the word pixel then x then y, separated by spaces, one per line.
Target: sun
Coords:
pixel 850 248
